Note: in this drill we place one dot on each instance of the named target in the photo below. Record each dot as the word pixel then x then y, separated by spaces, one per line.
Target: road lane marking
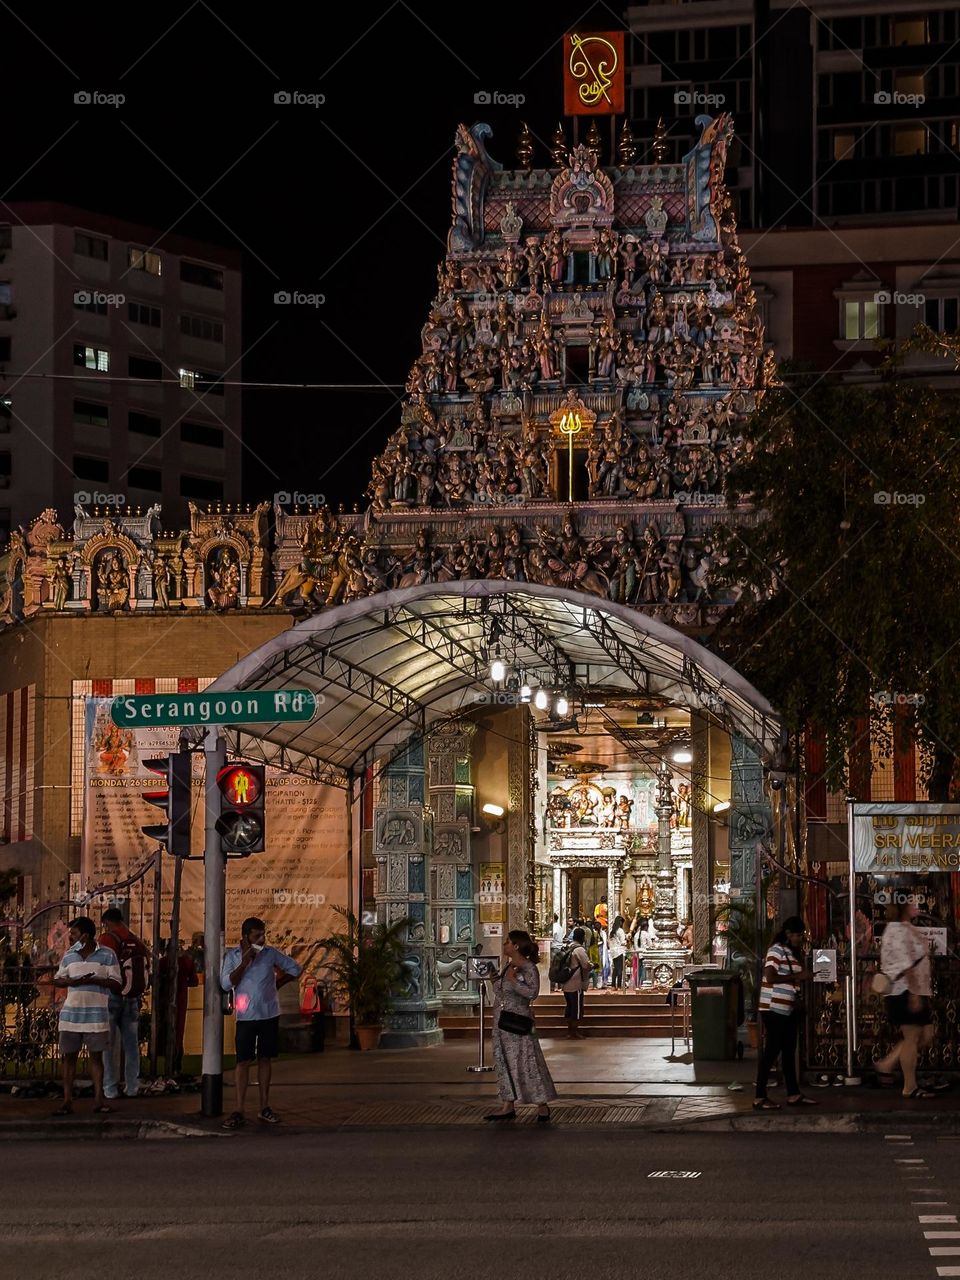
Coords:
pixel 909 1160
pixel 941 1235
pixel 938 1217
pixel 945 1251
pixel 948 1271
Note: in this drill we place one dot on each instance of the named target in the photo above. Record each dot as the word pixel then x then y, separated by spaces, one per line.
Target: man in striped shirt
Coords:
pixel 89 973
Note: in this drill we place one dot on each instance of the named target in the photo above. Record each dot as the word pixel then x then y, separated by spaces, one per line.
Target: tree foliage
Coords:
pixel 847 598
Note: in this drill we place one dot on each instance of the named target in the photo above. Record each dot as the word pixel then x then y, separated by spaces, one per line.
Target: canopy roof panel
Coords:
pixel 390 665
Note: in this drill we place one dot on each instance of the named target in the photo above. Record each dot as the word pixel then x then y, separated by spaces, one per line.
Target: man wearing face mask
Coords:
pixel 254 973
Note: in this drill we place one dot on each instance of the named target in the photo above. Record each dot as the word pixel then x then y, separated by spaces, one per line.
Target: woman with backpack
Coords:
pixel 522 1074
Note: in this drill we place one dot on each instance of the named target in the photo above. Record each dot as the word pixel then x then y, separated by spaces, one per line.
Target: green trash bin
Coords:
pixel 713 1014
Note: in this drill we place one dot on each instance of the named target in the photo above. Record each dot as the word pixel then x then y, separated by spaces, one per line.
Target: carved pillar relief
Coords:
pixel 403 841
pixel 453 897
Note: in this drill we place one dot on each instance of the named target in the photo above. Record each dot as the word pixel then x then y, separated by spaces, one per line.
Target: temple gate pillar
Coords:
pixel 403 842
pixel 453 900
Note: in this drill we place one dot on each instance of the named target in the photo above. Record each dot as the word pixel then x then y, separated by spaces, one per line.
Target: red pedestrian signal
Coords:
pixel 241 824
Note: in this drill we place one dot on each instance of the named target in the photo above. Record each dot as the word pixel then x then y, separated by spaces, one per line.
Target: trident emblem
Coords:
pixel 596 76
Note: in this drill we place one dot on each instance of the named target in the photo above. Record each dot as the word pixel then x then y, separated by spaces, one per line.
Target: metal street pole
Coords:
pixel 852 1029
pixel 173 972
pixel 214 899
pixel 155 961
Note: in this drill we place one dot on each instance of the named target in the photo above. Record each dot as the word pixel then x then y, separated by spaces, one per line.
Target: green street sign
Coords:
pixel 252 706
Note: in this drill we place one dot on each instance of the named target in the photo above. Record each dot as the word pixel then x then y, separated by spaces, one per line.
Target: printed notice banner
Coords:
pixel 293 886
pixel 912 836
pixel 492 896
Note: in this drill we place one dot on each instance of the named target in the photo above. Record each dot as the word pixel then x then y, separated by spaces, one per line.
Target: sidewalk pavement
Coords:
pixel 603 1082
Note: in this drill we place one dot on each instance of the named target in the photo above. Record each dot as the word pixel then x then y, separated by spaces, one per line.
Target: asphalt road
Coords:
pixel 517 1202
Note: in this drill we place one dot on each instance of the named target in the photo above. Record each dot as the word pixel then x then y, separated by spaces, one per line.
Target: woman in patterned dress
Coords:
pixel 522 1074
pixel 905 959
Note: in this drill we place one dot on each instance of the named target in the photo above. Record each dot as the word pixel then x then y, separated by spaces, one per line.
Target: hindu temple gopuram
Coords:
pixel 572 409
pixel 592 346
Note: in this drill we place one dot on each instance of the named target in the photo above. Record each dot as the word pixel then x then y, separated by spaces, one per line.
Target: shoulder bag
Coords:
pixel 517 1024
pixel 881 985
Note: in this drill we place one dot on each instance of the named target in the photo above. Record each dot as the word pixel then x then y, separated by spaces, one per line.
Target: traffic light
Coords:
pixel 175 801
pixel 243 792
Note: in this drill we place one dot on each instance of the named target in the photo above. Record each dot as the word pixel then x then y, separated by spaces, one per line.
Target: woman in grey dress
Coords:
pixel 522 1074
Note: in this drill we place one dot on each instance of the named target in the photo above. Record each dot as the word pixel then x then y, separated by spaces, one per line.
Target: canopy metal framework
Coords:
pixel 390 666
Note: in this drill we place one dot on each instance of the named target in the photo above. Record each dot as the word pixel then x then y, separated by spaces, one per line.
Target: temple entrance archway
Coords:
pixel 442 708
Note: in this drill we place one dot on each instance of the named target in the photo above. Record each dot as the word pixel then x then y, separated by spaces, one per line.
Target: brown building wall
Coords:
pixel 51 652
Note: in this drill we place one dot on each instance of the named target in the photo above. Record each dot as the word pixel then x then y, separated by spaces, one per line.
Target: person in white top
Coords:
pixel 905 959
pixel 617 943
pixel 647 936
pixel 557 931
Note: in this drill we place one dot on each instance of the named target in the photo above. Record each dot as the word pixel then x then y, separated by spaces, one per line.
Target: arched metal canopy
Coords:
pixel 390 665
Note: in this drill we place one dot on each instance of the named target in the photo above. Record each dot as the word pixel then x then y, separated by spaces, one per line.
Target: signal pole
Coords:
pixel 214 899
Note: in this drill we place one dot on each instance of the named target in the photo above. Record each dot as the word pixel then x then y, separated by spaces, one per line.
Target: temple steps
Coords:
pixel 640 1015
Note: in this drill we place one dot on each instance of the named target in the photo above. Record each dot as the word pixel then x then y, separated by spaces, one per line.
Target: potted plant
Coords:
pixel 365 966
pixel 747 944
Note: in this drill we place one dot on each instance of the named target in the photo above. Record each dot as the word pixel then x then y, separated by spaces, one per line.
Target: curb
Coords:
pixel 73 1129
pixel 940 1123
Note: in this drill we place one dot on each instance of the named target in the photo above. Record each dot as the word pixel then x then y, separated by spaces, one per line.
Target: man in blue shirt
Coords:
pixel 255 972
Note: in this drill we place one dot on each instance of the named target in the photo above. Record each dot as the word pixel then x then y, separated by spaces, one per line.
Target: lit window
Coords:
pixel 861 320
pixel 188 379
pixel 910 82
pixel 91 358
pixel 144 260
pixel 910 31
pixel 910 140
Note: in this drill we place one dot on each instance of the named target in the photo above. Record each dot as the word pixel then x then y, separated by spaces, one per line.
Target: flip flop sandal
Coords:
pixel 802 1101
pixel 920 1093
pixel 764 1104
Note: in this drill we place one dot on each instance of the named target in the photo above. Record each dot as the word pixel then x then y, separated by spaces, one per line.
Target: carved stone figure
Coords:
pixel 224 591
pixel 113 582
pixel 60 581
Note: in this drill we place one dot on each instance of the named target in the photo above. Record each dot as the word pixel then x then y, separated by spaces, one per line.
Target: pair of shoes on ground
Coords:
pixel 237 1119
pixel 500 1117
pixel 767 1104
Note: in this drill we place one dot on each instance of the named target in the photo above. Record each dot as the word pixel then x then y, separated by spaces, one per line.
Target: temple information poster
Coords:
pixel 293 886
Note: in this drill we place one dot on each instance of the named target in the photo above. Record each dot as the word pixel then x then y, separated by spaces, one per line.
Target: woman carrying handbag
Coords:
pixel 522 1074
pixel 904 980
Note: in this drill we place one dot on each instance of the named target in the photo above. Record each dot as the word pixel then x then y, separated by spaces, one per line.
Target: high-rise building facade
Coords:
pixel 120 358
pixel 844 110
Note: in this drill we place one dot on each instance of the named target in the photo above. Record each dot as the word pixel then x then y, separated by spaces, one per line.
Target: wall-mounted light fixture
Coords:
pixel 494 818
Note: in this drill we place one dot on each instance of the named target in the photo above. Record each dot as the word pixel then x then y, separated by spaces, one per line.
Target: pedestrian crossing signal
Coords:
pixel 241 826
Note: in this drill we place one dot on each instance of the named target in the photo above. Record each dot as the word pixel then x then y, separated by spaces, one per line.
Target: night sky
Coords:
pixel 350 199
